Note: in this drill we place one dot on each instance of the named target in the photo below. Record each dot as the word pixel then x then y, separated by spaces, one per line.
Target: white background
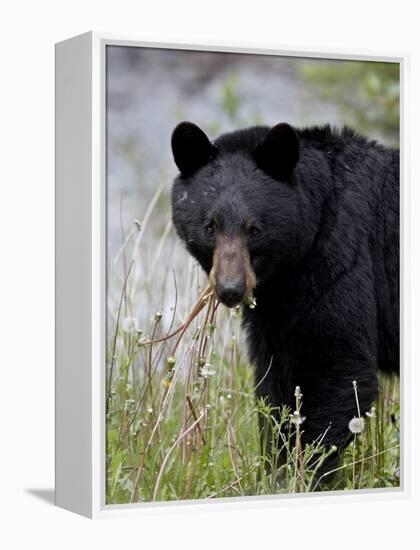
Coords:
pixel 29 30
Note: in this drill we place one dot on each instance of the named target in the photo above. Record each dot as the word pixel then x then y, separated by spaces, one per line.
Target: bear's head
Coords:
pixel 236 204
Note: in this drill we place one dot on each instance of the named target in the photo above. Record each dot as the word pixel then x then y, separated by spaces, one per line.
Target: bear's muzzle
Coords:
pixel 232 276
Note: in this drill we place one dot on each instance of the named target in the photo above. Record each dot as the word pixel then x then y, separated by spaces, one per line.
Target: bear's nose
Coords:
pixel 230 293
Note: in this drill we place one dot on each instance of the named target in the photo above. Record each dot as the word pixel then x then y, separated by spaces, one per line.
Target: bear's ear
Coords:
pixel 191 148
pixel 278 153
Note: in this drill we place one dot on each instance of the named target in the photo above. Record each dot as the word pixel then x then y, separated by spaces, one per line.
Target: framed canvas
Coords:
pixel 229 275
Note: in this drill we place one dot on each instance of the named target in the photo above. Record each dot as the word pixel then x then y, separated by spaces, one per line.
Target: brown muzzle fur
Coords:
pixel 232 276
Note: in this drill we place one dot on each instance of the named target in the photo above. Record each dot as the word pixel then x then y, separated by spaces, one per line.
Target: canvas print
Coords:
pixel 252 322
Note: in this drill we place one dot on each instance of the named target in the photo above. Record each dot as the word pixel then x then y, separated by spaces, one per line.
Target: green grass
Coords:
pixel 182 418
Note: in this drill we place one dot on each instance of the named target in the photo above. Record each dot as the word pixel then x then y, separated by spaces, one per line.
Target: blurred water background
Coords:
pixel 149 91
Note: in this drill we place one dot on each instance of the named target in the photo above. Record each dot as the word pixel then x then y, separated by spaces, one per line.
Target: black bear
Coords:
pixel 306 221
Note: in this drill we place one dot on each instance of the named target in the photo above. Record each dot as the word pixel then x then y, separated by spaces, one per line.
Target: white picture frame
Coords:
pixel 81 277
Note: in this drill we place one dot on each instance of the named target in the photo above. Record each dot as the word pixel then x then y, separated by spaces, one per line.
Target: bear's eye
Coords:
pixel 210 229
pixel 253 231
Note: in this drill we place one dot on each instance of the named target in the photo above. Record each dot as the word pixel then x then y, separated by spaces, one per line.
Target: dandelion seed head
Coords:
pixel 356 425
pixel 297 419
pixel 207 371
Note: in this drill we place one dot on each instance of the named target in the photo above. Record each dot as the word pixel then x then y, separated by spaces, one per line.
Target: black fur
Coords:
pixel 326 258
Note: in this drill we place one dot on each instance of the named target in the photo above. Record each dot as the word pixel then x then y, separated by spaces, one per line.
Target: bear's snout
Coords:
pixel 231 293
pixel 232 276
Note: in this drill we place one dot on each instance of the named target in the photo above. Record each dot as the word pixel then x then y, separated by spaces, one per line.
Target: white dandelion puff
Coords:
pixel 297 419
pixel 207 371
pixel 357 425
